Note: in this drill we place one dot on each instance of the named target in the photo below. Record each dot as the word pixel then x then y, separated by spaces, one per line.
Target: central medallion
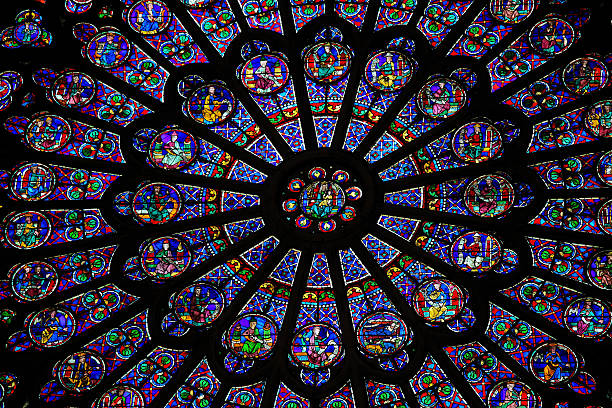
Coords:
pixel 322 200
pixel 319 198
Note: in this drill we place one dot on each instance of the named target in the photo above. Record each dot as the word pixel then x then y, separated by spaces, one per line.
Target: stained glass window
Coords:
pixel 306 203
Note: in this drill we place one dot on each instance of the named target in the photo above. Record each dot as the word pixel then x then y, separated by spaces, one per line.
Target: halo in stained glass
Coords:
pixel 596 119
pixel 322 199
pixel 297 204
pixel 27 32
pixel 585 75
pixel 514 391
pixel 587 317
pixel 27 230
pixel 438 301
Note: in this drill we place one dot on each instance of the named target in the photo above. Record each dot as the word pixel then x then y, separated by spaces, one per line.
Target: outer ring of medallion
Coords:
pixel 336 76
pixel 327 363
pixel 209 319
pixel 284 70
pixel 162 27
pixel 48 173
pixel 82 77
pixel 173 212
pixel 67 336
pixel 532 402
pixel 417 297
pixel 65 133
pixel 252 316
pixel 390 318
pixel 79 354
pixel 569 351
pixel 46 226
pixel 17 271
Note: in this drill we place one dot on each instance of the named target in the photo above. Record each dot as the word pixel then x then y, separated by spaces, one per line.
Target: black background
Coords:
pixel 34 368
